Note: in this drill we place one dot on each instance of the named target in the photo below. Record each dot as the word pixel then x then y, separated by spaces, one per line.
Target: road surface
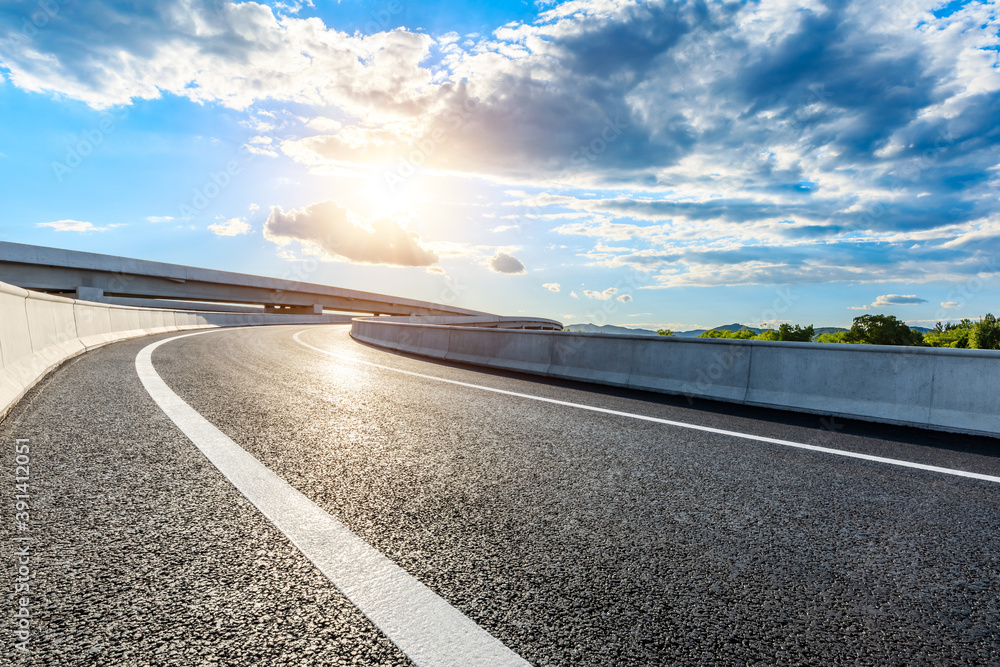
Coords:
pixel 566 534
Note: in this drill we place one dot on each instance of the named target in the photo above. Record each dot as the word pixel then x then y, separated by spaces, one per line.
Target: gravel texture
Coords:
pixel 582 538
pixel 142 554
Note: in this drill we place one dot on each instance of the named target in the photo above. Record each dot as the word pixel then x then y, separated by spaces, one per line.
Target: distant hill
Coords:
pixel 694 333
pixel 737 327
pixel 612 329
pixel 608 329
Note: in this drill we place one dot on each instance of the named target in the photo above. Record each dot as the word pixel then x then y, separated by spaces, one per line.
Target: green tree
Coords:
pixel 768 334
pixel 665 332
pixel 950 335
pixel 742 334
pixel 881 330
pixel 985 334
pixel 796 334
pixel 837 337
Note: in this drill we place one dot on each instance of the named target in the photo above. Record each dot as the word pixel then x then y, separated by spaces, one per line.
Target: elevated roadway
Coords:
pixel 572 524
pixel 134 282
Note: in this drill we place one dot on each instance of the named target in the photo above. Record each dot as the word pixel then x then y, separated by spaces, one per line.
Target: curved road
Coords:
pixel 570 535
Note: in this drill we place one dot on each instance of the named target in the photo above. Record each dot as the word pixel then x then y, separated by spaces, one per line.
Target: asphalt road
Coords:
pixel 572 536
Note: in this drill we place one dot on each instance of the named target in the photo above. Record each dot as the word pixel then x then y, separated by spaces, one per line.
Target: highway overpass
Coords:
pixel 133 282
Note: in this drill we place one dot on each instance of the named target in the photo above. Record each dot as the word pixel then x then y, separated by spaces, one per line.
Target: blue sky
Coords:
pixel 679 164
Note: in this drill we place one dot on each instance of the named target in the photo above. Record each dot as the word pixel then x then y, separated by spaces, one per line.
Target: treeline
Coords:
pixel 981 334
pixel 785 332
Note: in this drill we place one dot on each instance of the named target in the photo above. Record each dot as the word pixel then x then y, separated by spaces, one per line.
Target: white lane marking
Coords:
pixel 695 427
pixel 423 625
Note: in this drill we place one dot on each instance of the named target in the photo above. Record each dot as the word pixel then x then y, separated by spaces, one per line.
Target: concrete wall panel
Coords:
pixel 409 340
pixel 15 345
pixel 125 321
pixel 864 381
pixel 434 341
pixel 15 341
pixel 691 367
pixel 516 350
pixel 599 359
pixel 93 324
pixel 966 391
pixel 52 326
pixel 387 337
pixel 147 320
pixel 468 349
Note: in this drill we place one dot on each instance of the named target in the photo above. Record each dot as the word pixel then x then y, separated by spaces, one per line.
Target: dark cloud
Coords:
pixel 632 44
pixel 621 98
pixel 897 300
pixel 831 60
pixel 504 263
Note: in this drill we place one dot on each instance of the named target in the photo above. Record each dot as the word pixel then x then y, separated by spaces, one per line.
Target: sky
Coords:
pixel 646 164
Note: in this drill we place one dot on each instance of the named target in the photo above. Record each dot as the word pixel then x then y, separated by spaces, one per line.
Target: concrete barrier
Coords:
pixel 39 331
pixel 706 368
pixel 19 366
pixel 937 388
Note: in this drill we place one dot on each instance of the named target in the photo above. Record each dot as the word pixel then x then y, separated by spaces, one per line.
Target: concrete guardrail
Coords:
pixel 39 331
pixel 943 389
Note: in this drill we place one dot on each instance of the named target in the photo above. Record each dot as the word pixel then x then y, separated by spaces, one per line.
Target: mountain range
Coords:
pixel 612 329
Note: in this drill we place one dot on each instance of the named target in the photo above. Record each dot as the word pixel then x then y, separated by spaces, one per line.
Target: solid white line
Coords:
pixel 423 625
pixel 695 427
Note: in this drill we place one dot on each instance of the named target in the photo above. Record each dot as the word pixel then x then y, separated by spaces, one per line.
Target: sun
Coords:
pixel 389 190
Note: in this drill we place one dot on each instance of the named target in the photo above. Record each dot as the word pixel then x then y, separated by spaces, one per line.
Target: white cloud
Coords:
pixel 254 207
pixel 260 150
pixel 504 263
pixel 324 124
pixel 75 226
pixel 574 295
pixel 342 235
pixel 231 227
pixel 891 300
pixel 292 7
pixel 950 304
pixel 624 298
pixel 233 53
pixel 504 228
pixel 159 218
pixel 552 287
pixel 601 296
pixel 897 300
